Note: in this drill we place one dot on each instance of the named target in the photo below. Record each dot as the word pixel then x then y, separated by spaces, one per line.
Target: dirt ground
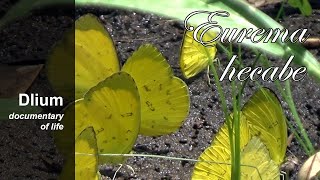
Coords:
pixel 29 153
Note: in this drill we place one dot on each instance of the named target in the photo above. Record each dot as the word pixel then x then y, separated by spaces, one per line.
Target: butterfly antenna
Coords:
pixel 115 174
pixel 283 175
pixel 131 169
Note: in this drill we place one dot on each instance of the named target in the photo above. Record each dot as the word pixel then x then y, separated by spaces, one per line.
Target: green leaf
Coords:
pixel 10 105
pixel 23 7
pixel 303 5
pixel 242 15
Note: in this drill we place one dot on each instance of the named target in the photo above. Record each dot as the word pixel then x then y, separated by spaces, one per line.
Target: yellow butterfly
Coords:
pixel 84 165
pixel 266 118
pixel 164 97
pixel 260 154
pixel 112 108
pixel 194 56
pixel 86 53
pixel 86 162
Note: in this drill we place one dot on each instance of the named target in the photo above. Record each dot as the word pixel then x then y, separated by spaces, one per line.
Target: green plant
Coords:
pixel 303 5
pixel 241 16
pixel 249 17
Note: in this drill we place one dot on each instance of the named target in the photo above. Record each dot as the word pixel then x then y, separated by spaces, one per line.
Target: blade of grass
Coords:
pixel 305 143
pixel 295 114
pixel 239 12
pixel 261 20
pixel 235 168
pixel 303 5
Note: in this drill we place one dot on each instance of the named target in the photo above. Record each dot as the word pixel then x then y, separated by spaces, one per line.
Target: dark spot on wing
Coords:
pixel 127 114
pixel 146 88
pixel 100 130
pixel 85 115
pixel 149 104
pixel 109 117
pixel 258 133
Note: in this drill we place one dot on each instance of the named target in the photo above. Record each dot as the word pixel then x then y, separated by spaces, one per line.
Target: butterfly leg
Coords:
pixel 208 75
pixel 208 69
pixel 219 64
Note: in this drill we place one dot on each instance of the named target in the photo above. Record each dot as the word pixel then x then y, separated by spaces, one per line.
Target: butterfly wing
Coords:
pixel 164 97
pixel 75 120
pixel 258 163
pixel 83 166
pixel 86 166
pixel 60 66
pixel 114 109
pixel 267 120
pixel 96 57
pixel 90 50
pixel 195 57
pixel 215 161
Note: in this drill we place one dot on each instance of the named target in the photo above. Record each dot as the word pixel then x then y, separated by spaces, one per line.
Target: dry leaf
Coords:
pixel 310 168
pixel 312 43
pixel 17 79
pixel 290 138
pixel 260 3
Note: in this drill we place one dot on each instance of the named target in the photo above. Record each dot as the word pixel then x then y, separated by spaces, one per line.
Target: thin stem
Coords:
pixel 247 80
pixel 304 146
pixel 305 143
pixel 280 12
pixel 234 131
pixel 284 95
pixel 236 170
pixel 229 54
pixel 297 118
pixel 222 100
